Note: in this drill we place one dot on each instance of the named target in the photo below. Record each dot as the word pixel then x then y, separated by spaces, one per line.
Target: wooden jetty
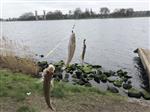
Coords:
pixel 144 55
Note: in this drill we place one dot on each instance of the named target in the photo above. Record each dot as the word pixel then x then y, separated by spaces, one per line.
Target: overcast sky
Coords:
pixel 14 8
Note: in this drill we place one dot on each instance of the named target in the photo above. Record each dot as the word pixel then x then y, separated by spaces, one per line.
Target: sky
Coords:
pixel 14 8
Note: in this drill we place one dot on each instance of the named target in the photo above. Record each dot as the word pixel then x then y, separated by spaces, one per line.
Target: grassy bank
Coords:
pixel 22 93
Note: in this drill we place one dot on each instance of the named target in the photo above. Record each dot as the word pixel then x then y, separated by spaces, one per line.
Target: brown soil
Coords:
pixel 79 103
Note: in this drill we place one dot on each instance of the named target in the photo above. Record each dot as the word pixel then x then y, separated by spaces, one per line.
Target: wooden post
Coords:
pixel 144 55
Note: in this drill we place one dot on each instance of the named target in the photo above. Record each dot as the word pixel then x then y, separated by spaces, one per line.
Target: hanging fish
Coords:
pixel 71 48
pixel 83 52
pixel 48 74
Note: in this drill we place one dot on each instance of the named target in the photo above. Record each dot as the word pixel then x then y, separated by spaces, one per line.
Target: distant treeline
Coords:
pixel 79 14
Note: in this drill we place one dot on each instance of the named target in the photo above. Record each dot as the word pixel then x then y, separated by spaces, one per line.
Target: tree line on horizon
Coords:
pixel 104 12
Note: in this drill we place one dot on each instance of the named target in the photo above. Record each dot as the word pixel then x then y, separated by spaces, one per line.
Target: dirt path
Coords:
pixel 96 103
pixel 84 103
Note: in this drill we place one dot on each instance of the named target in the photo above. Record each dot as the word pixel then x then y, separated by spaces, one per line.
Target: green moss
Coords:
pixel 103 78
pixel 127 86
pixel 146 95
pixel 134 93
pixel 87 69
pixel 118 83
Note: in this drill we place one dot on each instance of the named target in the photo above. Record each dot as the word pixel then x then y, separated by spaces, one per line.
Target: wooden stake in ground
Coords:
pixel 71 48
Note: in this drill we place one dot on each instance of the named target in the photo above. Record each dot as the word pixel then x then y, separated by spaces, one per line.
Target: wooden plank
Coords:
pixel 144 55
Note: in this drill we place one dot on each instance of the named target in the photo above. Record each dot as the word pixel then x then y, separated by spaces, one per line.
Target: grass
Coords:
pixel 63 89
pixel 15 86
pixel 25 109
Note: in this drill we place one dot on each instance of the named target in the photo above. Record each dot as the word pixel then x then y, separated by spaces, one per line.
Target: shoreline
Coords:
pixel 75 19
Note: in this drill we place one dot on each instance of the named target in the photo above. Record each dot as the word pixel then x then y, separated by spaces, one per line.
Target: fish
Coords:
pixel 83 51
pixel 71 48
pixel 48 75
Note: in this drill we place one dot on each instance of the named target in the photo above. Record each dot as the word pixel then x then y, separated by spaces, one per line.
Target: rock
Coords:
pixel 43 65
pixel 60 63
pixel 145 95
pixel 74 76
pixel 97 78
pixel 134 93
pixel 78 74
pixel 75 80
pixel 84 80
pixel 113 78
pixel 41 55
pixel 85 75
pixel 124 79
pixel 121 73
pixel 118 83
pixel 129 82
pixel 112 89
pixel 66 76
pixel 127 76
pixel 135 51
pixel 80 82
pixel 94 71
pixel 103 78
pixel 96 66
pixel 71 72
pixel 99 72
pixel 127 86
pixel 58 75
pixel 107 74
pixel 112 72
pixel 58 69
pixel 71 68
pixel 90 77
pixel 87 69
pixel 88 84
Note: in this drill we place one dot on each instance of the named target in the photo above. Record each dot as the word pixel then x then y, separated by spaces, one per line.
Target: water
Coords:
pixel 110 42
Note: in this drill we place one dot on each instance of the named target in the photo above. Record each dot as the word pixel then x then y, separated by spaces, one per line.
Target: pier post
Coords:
pixel 144 55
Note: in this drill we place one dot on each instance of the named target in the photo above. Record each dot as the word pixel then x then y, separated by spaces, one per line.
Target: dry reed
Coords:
pixel 17 57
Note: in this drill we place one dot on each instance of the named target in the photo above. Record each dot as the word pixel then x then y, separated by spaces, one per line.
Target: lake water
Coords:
pixel 110 42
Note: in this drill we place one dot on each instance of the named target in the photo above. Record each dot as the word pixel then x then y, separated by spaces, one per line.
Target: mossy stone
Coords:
pixel 127 86
pixel 112 89
pixel 103 78
pixel 87 69
pixel 134 93
pixel 97 78
pixel 118 83
pixel 88 84
pixel 78 74
pixel 146 95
